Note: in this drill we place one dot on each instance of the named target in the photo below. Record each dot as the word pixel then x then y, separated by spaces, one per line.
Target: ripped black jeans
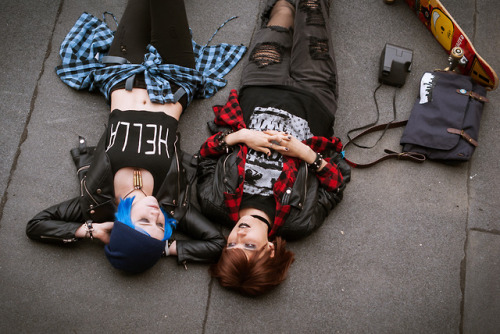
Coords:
pixel 301 57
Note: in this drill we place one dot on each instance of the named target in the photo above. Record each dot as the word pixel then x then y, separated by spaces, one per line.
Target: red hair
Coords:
pixel 256 275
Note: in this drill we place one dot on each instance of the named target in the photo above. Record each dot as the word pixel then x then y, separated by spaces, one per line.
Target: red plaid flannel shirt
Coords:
pixel 230 115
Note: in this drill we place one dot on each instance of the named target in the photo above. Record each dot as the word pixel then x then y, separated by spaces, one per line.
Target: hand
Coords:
pixel 102 231
pixel 172 250
pixel 290 146
pixel 258 140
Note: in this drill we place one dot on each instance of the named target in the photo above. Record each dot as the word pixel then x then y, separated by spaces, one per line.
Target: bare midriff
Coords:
pixel 138 99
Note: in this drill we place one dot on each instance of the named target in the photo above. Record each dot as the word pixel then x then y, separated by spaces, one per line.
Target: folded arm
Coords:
pixel 63 223
pixel 206 241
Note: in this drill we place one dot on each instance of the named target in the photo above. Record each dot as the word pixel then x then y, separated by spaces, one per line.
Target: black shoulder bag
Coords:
pixel 444 121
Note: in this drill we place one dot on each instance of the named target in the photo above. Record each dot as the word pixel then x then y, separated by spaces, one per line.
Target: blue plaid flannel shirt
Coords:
pixel 90 39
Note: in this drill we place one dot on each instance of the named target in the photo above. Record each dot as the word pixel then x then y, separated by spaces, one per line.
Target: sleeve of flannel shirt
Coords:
pixel 228 115
pixel 211 147
pixel 330 176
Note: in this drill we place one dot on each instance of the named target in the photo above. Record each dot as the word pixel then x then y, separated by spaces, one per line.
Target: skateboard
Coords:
pixel 453 39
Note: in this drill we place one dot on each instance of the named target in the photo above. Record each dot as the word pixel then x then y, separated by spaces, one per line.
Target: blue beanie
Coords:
pixel 132 251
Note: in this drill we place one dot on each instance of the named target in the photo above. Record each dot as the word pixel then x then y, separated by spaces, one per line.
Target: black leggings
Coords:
pixel 161 23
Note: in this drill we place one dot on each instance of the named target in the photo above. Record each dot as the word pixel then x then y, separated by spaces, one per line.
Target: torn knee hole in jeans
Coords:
pixel 267 12
pixel 318 48
pixel 279 28
pixel 265 54
pixel 313 11
pixel 310 5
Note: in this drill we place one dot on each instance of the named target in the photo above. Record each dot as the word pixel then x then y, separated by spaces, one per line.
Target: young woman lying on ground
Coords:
pixel 273 171
pixel 135 186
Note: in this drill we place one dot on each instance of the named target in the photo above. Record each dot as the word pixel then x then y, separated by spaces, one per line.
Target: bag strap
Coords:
pixel 374 122
pixel 412 156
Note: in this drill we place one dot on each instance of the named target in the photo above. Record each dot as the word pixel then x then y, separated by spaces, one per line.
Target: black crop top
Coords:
pixel 142 139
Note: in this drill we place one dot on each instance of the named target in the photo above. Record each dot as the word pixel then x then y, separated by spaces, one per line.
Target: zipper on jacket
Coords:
pixel 186 198
pixel 88 192
pixel 305 185
pixel 59 239
pixel 82 168
pixel 225 160
pixel 81 186
pixel 178 168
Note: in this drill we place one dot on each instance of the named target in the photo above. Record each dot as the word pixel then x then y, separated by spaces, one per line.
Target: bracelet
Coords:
pixel 222 140
pixel 316 164
pixel 89 229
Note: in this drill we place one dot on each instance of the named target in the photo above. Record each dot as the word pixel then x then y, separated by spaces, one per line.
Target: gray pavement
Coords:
pixel 411 249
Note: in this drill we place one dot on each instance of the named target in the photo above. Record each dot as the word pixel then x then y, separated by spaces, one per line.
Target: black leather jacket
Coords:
pixel 96 202
pixel 310 202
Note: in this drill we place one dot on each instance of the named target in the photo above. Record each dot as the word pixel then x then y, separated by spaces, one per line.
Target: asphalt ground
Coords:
pixel 413 248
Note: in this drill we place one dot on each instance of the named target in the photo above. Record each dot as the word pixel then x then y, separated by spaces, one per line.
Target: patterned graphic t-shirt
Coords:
pixel 261 171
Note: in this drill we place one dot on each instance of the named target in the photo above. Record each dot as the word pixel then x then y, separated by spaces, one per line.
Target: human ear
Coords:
pixel 270 245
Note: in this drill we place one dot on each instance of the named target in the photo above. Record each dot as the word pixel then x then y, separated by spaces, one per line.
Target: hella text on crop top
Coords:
pixel 141 139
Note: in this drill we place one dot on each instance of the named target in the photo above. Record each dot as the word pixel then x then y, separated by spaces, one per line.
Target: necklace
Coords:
pixel 137 182
pixel 262 219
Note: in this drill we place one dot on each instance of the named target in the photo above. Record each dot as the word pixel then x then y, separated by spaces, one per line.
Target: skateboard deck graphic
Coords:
pixel 449 34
